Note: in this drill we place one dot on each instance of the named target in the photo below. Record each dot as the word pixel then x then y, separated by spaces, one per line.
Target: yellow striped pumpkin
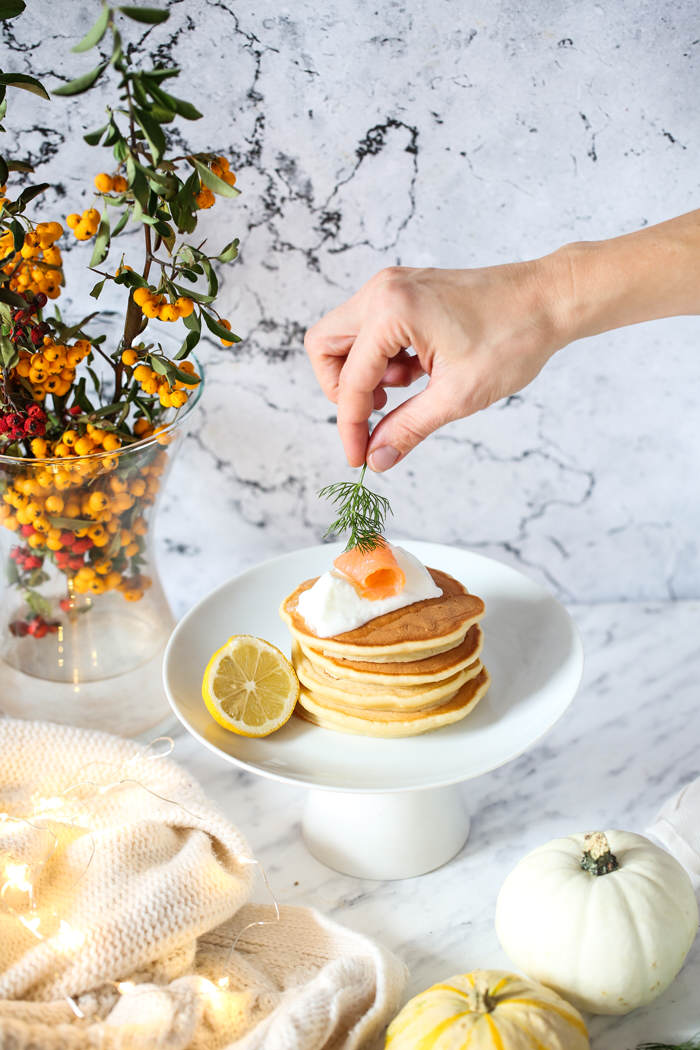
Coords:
pixel 487 1010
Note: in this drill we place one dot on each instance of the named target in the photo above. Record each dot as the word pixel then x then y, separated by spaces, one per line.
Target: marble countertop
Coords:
pixel 628 742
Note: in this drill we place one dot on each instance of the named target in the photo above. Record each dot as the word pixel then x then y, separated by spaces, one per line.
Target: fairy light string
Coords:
pixel 18 897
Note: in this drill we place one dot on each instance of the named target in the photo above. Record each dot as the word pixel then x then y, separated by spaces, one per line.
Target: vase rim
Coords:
pixel 153 439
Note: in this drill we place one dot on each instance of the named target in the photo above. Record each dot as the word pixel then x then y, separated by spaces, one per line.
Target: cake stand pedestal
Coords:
pixel 393 835
pixel 378 808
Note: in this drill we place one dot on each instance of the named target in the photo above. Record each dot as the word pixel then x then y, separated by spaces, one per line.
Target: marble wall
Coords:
pixel 438 133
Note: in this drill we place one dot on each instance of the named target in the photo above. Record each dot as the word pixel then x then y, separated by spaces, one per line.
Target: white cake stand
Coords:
pixel 387 809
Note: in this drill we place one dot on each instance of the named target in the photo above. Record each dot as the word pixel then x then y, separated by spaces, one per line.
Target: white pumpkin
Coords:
pixel 487 1010
pixel 605 919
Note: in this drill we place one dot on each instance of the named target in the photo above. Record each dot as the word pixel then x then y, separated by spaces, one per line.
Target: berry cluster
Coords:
pixel 36 267
pixel 84 226
pixel 111 183
pixel 18 426
pixel 153 304
pixel 37 626
pixel 170 395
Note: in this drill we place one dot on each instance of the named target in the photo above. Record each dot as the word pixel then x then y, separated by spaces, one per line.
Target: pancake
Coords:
pixel 406 672
pixel 419 630
pixel 378 724
pixel 387 696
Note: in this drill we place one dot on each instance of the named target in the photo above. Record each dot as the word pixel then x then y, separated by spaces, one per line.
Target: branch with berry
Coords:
pixel 68 393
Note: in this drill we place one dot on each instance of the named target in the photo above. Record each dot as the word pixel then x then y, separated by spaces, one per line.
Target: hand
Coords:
pixel 483 334
pixel 479 334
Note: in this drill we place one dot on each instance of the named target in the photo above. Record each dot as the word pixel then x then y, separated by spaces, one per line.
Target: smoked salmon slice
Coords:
pixel 374 574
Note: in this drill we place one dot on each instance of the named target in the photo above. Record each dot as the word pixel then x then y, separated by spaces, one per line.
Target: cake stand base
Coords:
pixel 393 835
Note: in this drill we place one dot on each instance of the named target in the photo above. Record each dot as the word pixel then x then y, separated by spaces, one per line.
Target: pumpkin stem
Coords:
pixel 483 1002
pixel 598 858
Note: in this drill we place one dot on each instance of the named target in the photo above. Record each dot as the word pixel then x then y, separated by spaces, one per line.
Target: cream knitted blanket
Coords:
pixel 124 899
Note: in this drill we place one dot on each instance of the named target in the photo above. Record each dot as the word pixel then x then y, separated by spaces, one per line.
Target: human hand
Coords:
pixel 479 334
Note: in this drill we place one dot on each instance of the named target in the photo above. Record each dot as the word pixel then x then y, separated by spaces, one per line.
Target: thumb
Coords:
pixel 407 425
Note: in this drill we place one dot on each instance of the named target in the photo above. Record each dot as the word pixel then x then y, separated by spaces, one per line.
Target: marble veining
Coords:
pixel 438 134
pixel 423 134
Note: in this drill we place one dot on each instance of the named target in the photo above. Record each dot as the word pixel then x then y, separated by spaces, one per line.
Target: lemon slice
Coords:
pixel 249 686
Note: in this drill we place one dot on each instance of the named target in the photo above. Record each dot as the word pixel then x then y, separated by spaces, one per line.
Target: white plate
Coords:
pixel 531 648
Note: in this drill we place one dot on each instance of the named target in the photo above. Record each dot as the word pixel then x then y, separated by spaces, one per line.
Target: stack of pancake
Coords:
pixel 403 673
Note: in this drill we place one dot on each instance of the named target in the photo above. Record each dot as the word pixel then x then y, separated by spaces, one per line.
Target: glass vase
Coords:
pixel 83 616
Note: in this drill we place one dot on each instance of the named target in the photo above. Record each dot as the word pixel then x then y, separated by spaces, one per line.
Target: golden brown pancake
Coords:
pixel 380 724
pixel 421 629
pixel 404 672
pixel 387 696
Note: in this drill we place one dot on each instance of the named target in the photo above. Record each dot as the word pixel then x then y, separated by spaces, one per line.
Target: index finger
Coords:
pixel 329 341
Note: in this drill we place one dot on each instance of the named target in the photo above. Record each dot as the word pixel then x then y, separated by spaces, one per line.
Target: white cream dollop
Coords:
pixel 333 606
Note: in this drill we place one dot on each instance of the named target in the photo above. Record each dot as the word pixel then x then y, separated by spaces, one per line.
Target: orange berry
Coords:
pixel 73 219
pixel 229 177
pixel 103 182
pixel 119 184
pixel 141 296
pixel 168 312
pixel 225 324
pixel 151 308
pixel 205 198
pixel 184 306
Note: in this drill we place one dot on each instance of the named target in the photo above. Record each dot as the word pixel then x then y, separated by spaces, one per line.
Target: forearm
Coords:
pixel 649 274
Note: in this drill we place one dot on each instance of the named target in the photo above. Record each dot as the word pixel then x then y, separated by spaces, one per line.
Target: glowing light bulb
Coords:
pixel 16 878
pixel 68 938
pixel 223 982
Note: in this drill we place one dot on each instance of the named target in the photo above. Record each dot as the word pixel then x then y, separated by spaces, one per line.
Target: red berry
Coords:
pixel 19 628
pixel 75 563
pixel 66 604
pixel 33 563
pixel 27 530
pixel 67 539
pixel 40 300
pixel 75 410
pixel 82 545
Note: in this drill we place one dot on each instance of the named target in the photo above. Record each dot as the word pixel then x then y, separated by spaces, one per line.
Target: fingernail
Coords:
pixel 383 458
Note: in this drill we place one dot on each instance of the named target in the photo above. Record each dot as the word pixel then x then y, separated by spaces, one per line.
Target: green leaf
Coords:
pixel 11 572
pixel 70 524
pixel 11 8
pixel 213 181
pixel 230 252
pixel 161 73
pixel 9 355
pixel 94 35
pixel 163 368
pixel 29 194
pixel 93 137
pixel 101 241
pixel 19 165
pixel 37 603
pixel 96 289
pixel 21 80
pixel 150 15
pixel 218 329
pixel 199 297
pixel 80 84
pixel 153 132
pixel 17 234
pixel 6 296
pixel 121 222
pixel 191 340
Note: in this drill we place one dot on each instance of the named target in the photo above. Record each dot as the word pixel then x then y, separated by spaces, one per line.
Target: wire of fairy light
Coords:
pixel 21 878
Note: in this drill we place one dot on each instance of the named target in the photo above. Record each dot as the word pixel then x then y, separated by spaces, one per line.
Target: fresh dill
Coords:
pixel 361 512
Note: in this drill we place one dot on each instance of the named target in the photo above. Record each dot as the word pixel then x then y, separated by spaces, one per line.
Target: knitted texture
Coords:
pixel 138 878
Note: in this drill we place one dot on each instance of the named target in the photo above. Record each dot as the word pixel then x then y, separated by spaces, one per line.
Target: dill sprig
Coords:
pixel 361 512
